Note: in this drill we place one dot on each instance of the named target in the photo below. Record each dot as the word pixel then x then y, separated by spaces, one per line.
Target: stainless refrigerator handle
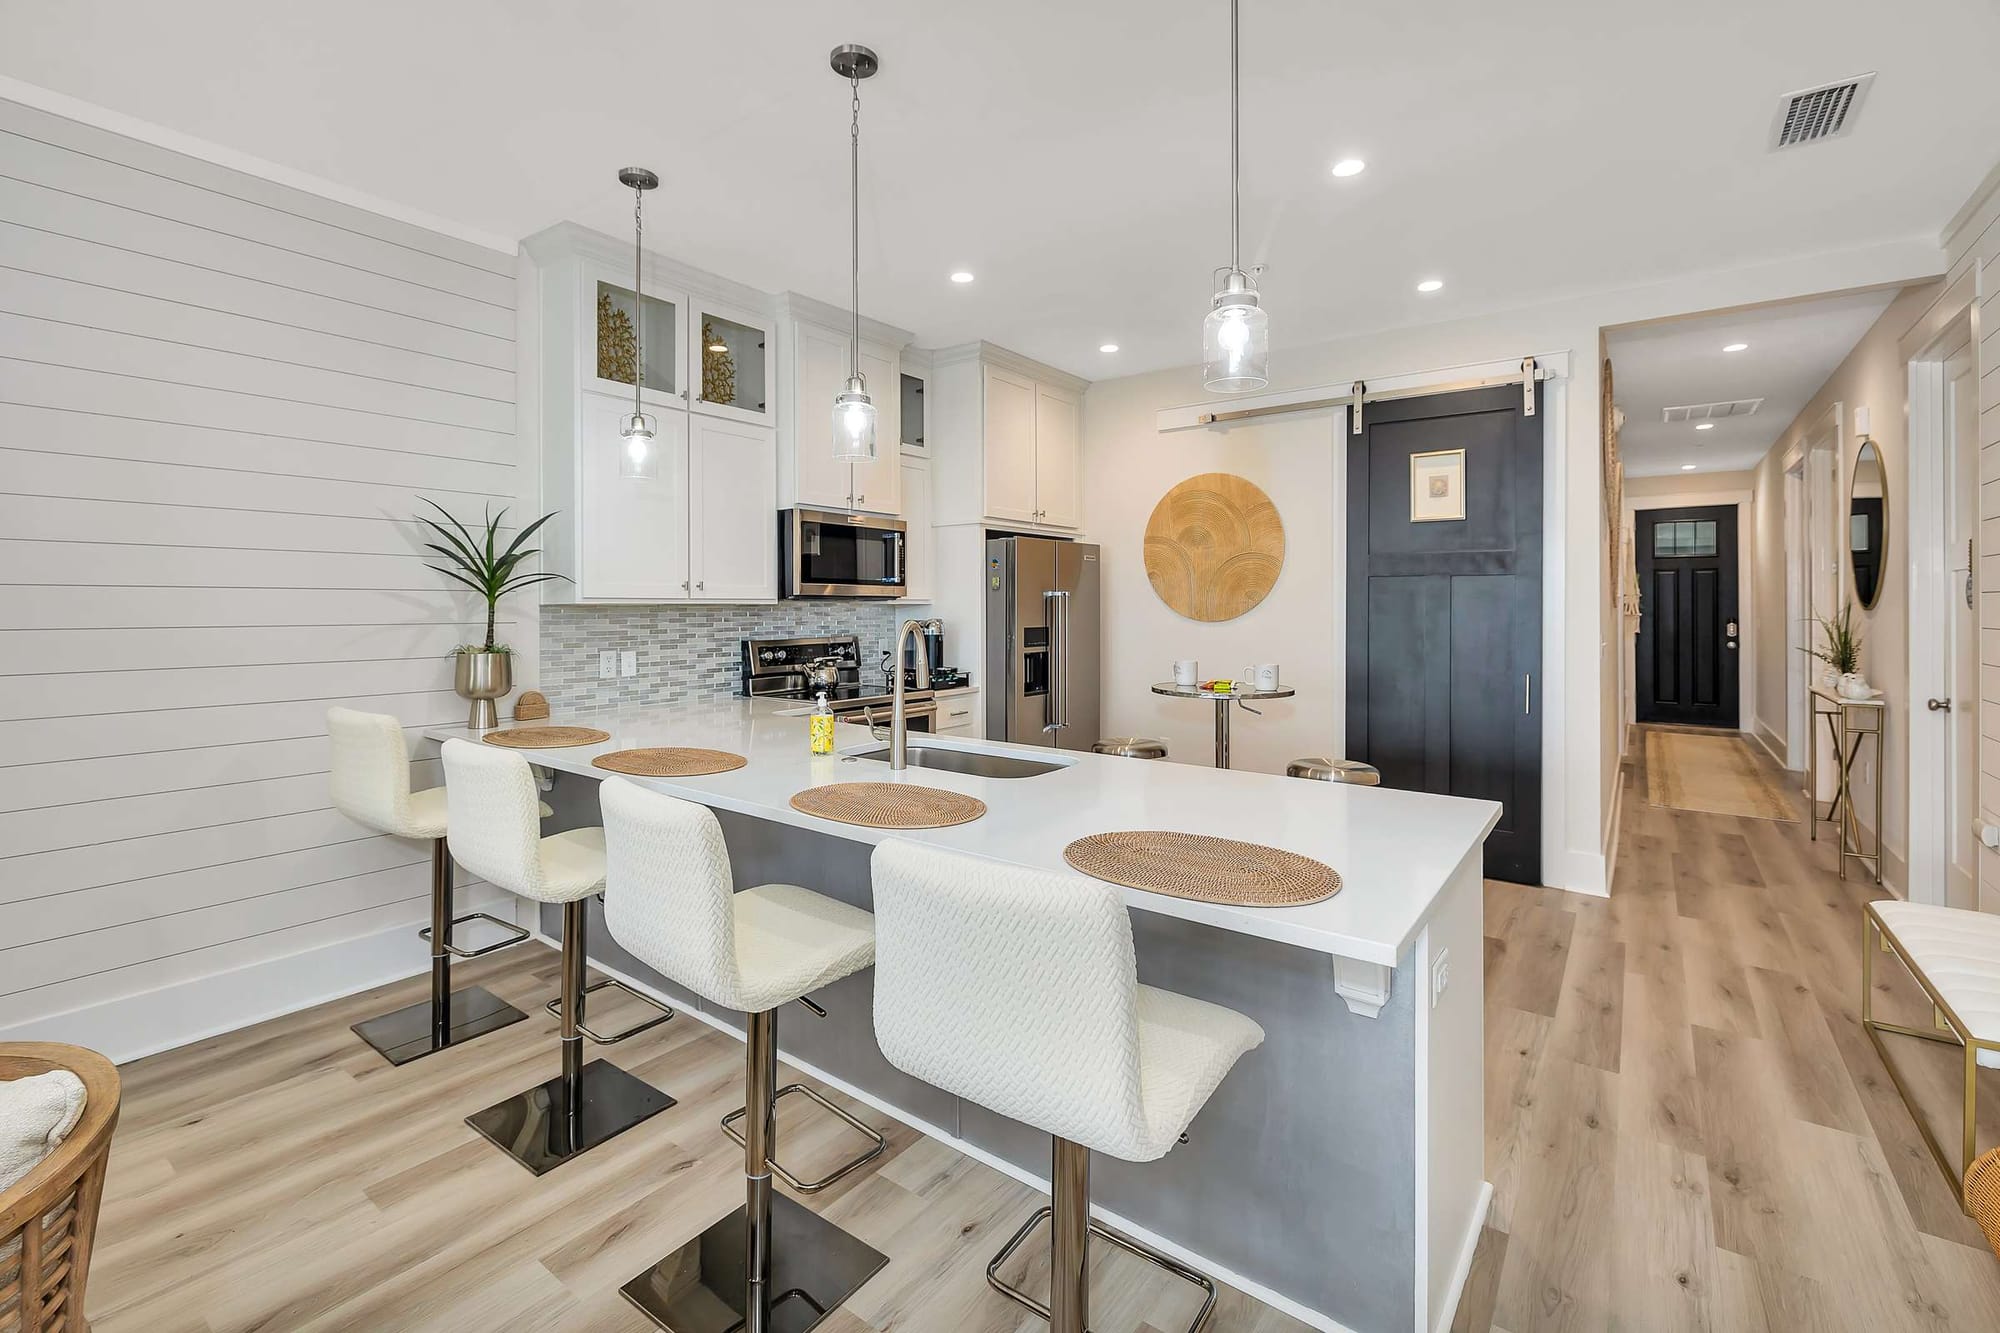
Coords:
pixel 1055 604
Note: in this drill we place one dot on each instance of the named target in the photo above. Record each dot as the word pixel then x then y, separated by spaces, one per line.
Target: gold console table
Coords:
pixel 1849 722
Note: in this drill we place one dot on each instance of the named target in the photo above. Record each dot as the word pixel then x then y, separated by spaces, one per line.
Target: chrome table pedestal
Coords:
pixel 448 1018
pixel 771 1266
pixel 584 1105
pixel 1222 701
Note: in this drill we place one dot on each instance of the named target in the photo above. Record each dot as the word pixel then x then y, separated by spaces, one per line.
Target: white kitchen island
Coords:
pixel 1338 1171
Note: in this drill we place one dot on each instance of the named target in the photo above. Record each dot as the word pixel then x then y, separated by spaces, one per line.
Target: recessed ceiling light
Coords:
pixel 961 276
pixel 1108 347
pixel 1431 285
pixel 1349 166
pixel 1687 467
pixel 1704 425
pixel 1737 347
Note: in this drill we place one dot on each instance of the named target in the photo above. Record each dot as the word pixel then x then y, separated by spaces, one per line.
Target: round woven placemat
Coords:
pixel 888 805
pixel 669 761
pixel 545 738
pixel 1212 870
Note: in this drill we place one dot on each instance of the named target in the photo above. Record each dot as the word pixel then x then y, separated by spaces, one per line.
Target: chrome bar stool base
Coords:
pixel 421 1029
pixel 1072 1186
pixel 702 1287
pixel 449 1018
pixel 536 1130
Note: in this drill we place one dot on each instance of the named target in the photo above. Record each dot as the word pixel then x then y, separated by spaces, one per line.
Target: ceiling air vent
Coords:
pixel 1740 407
pixel 1813 114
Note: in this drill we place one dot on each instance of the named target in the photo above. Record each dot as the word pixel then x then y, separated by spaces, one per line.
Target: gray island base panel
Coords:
pixel 1336 1172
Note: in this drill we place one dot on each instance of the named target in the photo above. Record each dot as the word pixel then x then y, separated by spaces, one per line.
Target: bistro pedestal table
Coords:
pixel 1222 700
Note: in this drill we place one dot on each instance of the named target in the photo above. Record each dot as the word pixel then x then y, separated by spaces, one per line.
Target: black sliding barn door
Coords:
pixel 1688 649
pixel 1444 613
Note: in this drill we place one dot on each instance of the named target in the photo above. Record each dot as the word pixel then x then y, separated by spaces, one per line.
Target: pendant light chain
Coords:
pixel 638 299
pixel 1235 149
pixel 854 221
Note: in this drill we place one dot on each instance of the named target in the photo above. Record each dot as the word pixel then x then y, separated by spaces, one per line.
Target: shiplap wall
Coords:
pixel 220 400
pixel 1973 246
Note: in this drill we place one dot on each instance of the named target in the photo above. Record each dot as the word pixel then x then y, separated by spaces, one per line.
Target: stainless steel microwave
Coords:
pixel 824 553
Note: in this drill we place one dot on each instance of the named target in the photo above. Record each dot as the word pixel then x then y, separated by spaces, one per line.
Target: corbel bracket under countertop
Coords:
pixel 1365 986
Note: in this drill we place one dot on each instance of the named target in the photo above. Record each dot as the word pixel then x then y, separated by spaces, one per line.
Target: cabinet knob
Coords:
pixel 862 499
pixel 699 586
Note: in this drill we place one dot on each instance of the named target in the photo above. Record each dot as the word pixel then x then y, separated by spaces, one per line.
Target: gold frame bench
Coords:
pixel 1879 933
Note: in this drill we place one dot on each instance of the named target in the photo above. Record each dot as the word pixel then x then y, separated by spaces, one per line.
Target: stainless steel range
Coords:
pixel 784 669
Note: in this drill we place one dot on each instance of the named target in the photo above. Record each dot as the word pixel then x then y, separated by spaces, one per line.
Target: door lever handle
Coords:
pixel 1938 705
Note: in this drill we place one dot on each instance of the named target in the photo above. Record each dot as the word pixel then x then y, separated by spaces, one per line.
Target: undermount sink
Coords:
pixel 967 761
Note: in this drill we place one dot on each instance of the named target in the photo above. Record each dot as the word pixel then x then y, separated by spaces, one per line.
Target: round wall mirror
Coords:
pixel 1868 524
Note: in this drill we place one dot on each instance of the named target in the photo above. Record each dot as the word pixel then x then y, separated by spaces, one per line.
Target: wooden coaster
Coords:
pixel 669 762
pixel 545 738
pixel 1211 870
pixel 888 805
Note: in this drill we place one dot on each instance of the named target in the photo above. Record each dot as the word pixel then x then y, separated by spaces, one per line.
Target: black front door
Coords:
pixel 1685 665
pixel 1444 607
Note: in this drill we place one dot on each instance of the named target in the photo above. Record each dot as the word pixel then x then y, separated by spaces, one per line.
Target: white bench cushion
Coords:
pixel 1959 954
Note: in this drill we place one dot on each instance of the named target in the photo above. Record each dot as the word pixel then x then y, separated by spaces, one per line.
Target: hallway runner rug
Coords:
pixel 1718 775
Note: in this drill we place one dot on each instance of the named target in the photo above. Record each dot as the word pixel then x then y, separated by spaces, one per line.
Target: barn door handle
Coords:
pixel 1527 693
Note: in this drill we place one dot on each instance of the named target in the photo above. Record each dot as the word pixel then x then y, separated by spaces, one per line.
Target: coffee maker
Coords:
pixel 942 676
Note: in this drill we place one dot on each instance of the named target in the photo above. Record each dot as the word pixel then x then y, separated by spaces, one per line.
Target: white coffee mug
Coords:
pixel 1187 671
pixel 1263 676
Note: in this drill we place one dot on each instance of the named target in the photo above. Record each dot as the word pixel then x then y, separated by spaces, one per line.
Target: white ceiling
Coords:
pixel 1792 350
pixel 1074 156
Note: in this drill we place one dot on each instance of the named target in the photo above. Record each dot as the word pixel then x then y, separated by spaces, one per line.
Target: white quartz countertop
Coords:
pixel 1394 850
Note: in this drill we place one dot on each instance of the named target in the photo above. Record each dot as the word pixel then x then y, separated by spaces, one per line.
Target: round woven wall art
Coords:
pixel 888 805
pixel 1214 546
pixel 1211 870
pixel 669 762
pixel 545 738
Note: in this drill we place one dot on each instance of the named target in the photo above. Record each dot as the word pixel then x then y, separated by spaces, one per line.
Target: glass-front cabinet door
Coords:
pixel 730 365
pixel 620 333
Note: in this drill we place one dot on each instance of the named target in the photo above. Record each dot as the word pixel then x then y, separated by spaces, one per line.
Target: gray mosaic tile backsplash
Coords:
pixel 686 652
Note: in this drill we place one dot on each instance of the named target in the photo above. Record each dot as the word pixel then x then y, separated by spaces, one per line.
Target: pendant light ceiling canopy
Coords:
pixel 853 409
pixel 1236 336
pixel 639 459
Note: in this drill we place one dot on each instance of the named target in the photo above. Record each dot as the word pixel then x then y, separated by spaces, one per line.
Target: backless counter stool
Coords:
pixel 772 1264
pixel 371 786
pixel 1017 989
pixel 495 835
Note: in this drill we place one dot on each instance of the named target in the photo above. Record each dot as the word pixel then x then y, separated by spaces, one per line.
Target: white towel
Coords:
pixel 36 1115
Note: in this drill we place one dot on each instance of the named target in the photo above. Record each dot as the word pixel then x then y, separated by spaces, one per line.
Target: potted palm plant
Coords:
pixel 1842 653
pixel 485 671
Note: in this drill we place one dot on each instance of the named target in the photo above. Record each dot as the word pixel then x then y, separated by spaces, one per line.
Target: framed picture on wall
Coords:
pixel 1437 486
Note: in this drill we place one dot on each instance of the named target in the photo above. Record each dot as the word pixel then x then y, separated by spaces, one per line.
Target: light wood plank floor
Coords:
pixel 1686 1127
pixel 285 1178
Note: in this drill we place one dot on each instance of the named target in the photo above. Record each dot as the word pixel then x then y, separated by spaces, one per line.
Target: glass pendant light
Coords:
pixel 640 458
pixel 853 409
pixel 1236 336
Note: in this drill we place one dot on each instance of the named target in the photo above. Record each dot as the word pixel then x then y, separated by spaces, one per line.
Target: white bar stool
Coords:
pixel 1018 990
pixel 670 902
pixel 370 779
pixel 491 797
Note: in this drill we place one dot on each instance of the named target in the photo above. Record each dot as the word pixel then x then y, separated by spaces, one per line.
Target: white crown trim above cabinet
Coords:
pixel 1007 435
pixel 701 525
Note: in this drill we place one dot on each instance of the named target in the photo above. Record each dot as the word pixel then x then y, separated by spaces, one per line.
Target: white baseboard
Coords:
pixel 1611 835
pixel 1586 872
pixel 1462 1269
pixel 130 1027
pixel 1765 737
pixel 1040 1183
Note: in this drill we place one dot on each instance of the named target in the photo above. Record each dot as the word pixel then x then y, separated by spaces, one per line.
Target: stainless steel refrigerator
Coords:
pixel 1041 642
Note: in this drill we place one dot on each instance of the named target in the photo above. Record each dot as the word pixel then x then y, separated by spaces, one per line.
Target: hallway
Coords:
pixel 1686 1126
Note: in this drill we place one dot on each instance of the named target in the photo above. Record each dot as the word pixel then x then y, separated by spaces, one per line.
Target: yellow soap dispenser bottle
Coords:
pixel 822 726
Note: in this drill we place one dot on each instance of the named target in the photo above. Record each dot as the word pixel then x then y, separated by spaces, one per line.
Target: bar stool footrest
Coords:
pixel 1104 1233
pixel 876 1142
pixel 515 934
pixel 665 1012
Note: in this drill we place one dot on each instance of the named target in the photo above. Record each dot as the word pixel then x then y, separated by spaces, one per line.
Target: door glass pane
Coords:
pixel 732 364
pixel 1663 539
pixel 616 339
pixel 1704 538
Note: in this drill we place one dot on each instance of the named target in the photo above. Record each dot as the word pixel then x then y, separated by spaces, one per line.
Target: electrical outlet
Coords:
pixel 1440 975
pixel 607 666
pixel 628 663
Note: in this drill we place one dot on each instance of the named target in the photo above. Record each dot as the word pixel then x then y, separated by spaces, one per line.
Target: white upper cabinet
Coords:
pixel 633 519
pixel 732 527
pixel 613 341
pixel 732 366
pixel 920 550
pixel 814 343
pixel 1005 439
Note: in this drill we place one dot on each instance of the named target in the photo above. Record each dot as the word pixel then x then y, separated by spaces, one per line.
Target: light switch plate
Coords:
pixel 628 663
pixel 607 665
pixel 1440 975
